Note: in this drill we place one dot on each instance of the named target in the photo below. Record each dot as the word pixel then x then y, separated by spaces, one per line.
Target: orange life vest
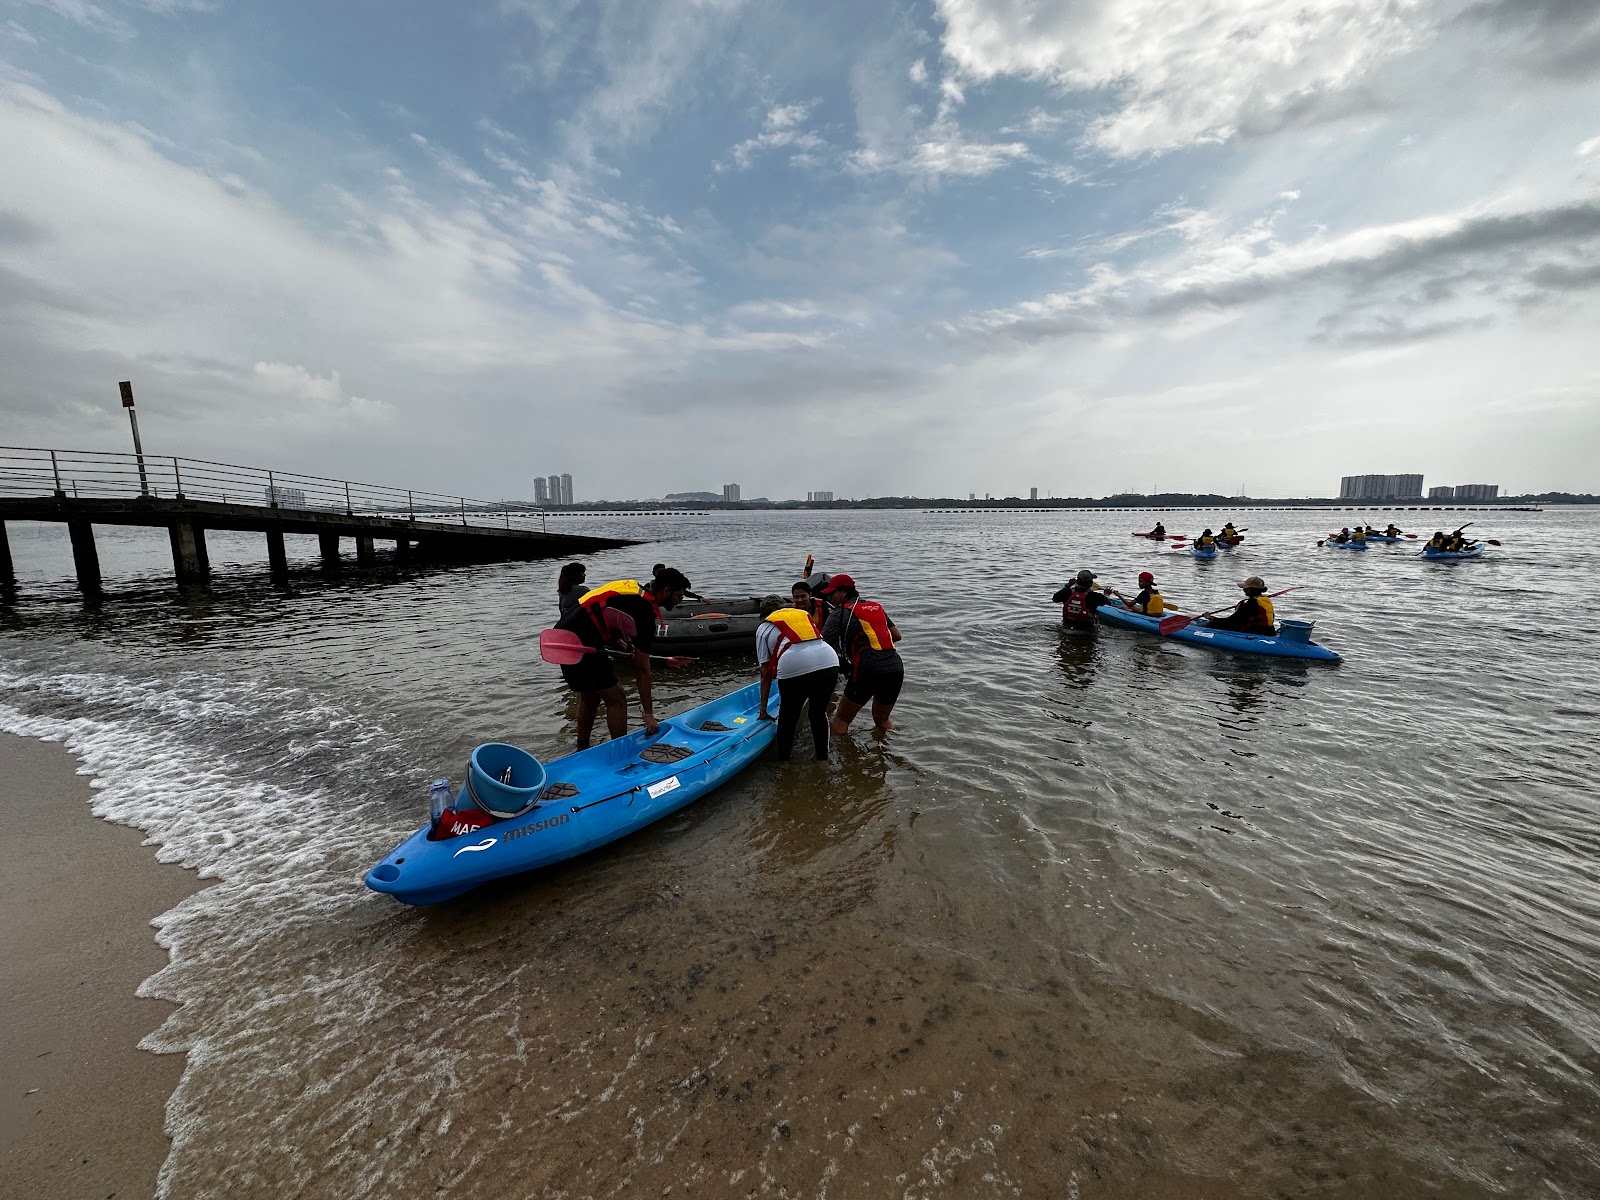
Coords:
pixel 1076 610
pixel 873 624
pixel 793 625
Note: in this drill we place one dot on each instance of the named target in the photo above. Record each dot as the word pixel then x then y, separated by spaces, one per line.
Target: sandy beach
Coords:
pixel 81 1113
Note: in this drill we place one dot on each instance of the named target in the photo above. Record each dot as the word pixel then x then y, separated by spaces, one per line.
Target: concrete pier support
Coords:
pixel 277 555
pixel 402 549
pixel 365 555
pixel 85 558
pixel 8 574
pixel 330 550
pixel 189 558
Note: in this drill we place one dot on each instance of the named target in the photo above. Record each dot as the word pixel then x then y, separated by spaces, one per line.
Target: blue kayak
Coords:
pixel 1333 545
pixel 1452 555
pixel 591 797
pixel 1210 552
pixel 1383 537
pixel 1220 639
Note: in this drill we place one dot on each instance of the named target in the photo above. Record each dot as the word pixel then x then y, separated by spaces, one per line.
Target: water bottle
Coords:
pixel 438 800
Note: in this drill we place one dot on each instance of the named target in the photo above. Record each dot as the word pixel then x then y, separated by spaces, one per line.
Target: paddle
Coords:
pixel 562 647
pixel 810 562
pixel 1171 625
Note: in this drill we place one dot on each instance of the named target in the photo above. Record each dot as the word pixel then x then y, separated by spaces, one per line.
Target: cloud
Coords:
pixel 87 16
pixel 1183 72
pixel 295 393
pixel 780 130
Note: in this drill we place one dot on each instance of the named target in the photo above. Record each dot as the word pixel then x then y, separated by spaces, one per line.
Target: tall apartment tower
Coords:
pixel 541 490
pixel 566 488
pixel 730 492
pixel 554 484
pixel 1033 493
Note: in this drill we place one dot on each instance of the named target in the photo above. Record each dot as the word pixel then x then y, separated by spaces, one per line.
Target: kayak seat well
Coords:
pixel 559 791
pixel 665 753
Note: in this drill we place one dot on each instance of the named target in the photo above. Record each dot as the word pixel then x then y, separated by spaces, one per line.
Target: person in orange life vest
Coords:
pixel 814 606
pixel 790 649
pixel 593 679
pixel 1149 600
pixel 1078 601
pixel 861 631
pixel 1253 614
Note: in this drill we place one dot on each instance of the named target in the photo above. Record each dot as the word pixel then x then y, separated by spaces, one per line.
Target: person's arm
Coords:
pixel 894 631
pixel 641 666
pixel 833 627
pixel 764 638
pixel 766 690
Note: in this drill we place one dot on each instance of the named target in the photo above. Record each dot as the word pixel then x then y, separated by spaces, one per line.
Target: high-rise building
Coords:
pixel 554 484
pixel 730 493
pixel 566 487
pixel 1442 493
pixel 1033 493
pixel 541 490
pixel 1380 487
pixel 1477 491
pixel 819 497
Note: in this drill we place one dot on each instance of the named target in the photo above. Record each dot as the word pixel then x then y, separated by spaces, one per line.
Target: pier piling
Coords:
pixel 189 558
pixel 8 574
pixel 330 550
pixel 85 558
pixel 365 555
pixel 277 555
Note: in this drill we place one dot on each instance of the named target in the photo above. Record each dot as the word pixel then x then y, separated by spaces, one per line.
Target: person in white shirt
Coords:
pixel 790 649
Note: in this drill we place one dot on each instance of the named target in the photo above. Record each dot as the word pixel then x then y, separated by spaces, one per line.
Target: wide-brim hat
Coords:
pixel 1255 581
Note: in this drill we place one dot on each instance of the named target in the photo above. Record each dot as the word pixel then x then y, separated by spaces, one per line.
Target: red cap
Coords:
pixel 1146 576
pixel 837 582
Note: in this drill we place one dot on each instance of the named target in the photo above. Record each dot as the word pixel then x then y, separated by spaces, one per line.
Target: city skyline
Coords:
pixel 967 239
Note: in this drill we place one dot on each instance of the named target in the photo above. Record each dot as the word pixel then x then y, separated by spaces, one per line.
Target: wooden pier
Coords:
pixel 188 497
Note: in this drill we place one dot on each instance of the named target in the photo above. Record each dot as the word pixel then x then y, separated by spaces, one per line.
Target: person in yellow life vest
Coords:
pixel 790 649
pixel 865 637
pixel 1253 614
pixel 1358 536
pixel 1393 530
pixel 1205 541
pixel 1438 540
pixel 593 679
pixel 1148 601
pixel 1228 532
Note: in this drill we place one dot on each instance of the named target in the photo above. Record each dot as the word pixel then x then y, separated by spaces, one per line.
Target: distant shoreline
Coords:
pixel 1117 504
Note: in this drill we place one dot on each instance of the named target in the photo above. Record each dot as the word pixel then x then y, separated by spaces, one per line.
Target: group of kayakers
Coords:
pixel 826 628
pixel 1359 535
pixel 1454 543
pixel 1081 596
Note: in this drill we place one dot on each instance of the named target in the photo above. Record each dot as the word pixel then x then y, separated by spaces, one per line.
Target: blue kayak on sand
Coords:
pixel 588 798
pixel 1226 639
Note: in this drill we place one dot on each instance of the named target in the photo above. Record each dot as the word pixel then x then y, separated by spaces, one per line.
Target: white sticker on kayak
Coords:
pixel 483 845
pixel 662 788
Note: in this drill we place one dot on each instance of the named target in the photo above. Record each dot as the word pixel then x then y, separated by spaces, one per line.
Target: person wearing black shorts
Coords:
pixel 861 631
pixel 594 679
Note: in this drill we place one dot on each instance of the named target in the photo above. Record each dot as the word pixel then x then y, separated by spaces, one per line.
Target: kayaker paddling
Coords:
pixel 592 621
pixel 1253 614
pixel 861 631
pixel 1148 601
pixel 1206 541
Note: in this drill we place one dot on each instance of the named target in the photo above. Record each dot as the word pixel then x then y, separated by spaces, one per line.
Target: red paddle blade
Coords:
pixel 1172 624
pixel 562 647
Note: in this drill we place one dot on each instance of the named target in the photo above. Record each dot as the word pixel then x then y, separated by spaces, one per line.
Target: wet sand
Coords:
pixel 81 1106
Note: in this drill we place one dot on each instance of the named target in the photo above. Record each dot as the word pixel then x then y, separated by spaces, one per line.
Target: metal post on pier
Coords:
pixel 55 469
pixel 177 477
pixel 272 491
pixel 411 506
pixel 133 420
pixel 463 500
pixel 347 499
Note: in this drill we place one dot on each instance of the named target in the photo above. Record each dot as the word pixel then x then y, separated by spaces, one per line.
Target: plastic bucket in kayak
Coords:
pixel 1295 631
pixel 487 769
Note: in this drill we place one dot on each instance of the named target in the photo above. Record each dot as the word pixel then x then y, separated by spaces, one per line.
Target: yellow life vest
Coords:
pixel 1155 606
pixel 1266 607
pixel 794 625
pixel 617 587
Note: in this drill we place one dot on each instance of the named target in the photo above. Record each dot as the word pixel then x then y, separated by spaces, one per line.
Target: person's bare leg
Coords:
pixel 588 705
pixel 616 710
pixel 843 715
pixel 880 715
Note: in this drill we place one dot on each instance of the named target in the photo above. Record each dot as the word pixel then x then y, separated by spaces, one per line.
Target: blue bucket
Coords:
pixel 488 766
pixel 1295 631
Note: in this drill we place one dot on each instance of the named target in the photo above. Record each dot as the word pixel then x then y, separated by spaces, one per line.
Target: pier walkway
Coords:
pixel 85 488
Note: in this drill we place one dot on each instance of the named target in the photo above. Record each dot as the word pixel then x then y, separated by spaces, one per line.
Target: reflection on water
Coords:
pixel 1106 915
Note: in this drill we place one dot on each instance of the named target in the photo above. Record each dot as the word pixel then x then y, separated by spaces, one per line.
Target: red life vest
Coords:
pixel 793 625
pixel 870 631
pixel 1076 610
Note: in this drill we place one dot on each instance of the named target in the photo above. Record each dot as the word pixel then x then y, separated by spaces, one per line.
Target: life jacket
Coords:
pixel 794 625
pixel 1359 535
pixel 595 600
pixel 872 623
pixel 1076 610
pixel 1228 531
pixel 1262 616
pixel 1203 541
pixel 1392 531
pixel 1154 606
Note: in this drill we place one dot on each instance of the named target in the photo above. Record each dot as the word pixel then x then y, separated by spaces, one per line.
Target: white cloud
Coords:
pixel 1587 148
pixel 296 393
pixel 780 130
pixel 1182 72
pixel 87 16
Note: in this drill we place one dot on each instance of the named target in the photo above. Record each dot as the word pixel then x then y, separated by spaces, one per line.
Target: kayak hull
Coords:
pixel 1199 553
pixel 1346 545
pixel 699 627
pixel 610 792
pixel 1378 537
pixel 1453 555
pixel 1219 639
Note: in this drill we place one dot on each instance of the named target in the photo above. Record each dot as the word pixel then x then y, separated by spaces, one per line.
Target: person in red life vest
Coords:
pixel 593 679
pixel 790 649
pixel 1253 614
pixel 861 631
pixel 803 593
pixel 1078 601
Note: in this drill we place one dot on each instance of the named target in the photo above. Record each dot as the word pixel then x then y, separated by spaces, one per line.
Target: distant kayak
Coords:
pixel 1228 543
pixel 1451 555
pixel 1381 537
pixel 1158 536
pixel 1209 552
pixel 1333 545
pixel 1223 639
pixel 585 800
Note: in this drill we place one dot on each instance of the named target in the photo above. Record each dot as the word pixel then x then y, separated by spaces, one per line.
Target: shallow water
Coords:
pixel 1106 916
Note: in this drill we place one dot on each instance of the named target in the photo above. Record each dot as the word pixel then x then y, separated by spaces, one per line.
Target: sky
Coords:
pixel 928 248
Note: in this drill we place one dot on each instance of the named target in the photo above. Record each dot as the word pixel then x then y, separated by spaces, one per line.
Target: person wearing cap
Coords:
pixel 1253 614
pixel 1078 601
pixel 861 631
pixel 1148 601
pixel 596 621
pixel 790 649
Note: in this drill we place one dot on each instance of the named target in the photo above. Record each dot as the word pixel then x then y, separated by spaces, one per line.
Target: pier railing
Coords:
pixel 28 471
